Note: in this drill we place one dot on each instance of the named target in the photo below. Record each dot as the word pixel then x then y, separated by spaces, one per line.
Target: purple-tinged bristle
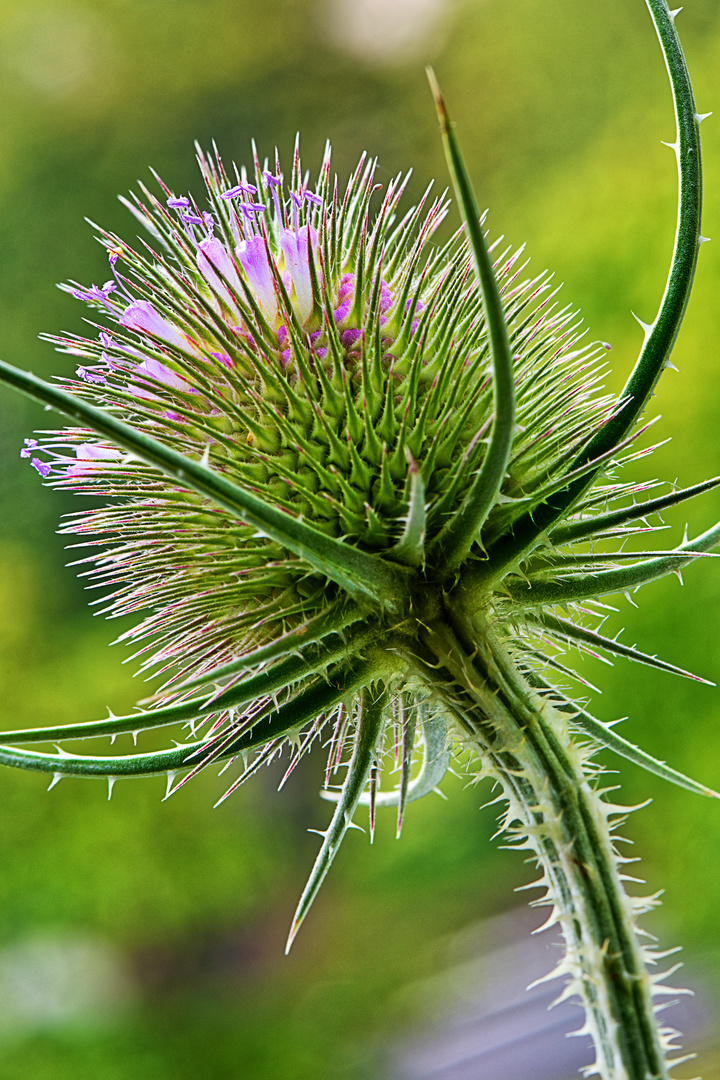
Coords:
pixel 90 376
pixel 239 189
pixel 43 467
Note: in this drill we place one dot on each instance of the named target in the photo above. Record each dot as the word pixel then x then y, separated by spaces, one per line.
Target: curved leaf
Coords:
pixel 580 635
pixel 581 530
pixel 456 539
pixel 609 738
pixel 309 703
pixel 574 587
pixel 660 336
pixel 436 761
pixel 365 749
pixel 281 675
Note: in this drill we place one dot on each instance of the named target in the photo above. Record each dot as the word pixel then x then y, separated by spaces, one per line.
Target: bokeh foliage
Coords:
pixel 561 108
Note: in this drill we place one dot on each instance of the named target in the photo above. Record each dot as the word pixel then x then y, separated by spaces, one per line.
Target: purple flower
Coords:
pixel 213 259
pixel 27 450
pixel 96 295
pixel 181 203
pixel 142 317
pixel 295 248
pixel 254 258
pixel 349 337
pixel 249 210
pixel 347 286
pixel 418 308
pixel 90 376
pixel 158 373
pixel 242 188
pixel 270 180
pixel 223 359
pixel 43 467
pixel 88 454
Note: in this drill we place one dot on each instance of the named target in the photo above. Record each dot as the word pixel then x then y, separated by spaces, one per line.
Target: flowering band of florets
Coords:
pixel 262 268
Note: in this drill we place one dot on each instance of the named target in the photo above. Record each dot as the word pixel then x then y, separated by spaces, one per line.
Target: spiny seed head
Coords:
pixel 331 359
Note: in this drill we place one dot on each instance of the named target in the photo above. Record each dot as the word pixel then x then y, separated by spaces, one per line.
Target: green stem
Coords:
pixel 525 745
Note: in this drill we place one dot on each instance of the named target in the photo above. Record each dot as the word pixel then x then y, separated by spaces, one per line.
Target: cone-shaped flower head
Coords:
pixel 330 358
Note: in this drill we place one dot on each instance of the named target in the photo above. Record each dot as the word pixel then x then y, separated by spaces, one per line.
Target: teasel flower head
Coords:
pixel 361 485
pixel 333 361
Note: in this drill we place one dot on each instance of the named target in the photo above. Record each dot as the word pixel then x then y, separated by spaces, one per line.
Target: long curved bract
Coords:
pixel 364 576
pixel 660 337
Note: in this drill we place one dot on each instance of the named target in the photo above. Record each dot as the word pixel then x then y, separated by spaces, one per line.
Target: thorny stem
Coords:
pixel 553 810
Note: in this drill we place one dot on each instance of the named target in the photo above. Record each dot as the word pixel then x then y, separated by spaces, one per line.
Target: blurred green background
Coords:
pixel 561 108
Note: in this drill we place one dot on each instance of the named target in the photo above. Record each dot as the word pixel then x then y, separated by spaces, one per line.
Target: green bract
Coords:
pixel 358 482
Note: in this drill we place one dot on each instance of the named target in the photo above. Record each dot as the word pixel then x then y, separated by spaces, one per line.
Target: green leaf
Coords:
pixel 280 676
pixel 365 749
pixel 582 530
pixel 581 636
pixel 607 737
pixel 573 587
pixel 365 577
pixel 456 539
pixel 410 548
pixel 660 336
pixel 436 761
pixel 321 697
